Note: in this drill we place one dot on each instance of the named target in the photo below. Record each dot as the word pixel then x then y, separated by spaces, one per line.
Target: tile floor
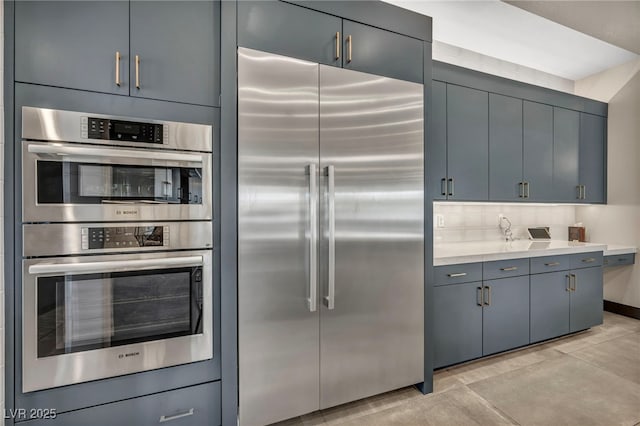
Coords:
pixel 591 378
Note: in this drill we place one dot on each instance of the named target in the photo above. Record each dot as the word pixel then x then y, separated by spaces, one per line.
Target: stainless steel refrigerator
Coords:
pixel 331 241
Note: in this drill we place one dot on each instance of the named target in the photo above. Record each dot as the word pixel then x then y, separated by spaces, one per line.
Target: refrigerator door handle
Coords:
pixel 313 238
pixel 329 300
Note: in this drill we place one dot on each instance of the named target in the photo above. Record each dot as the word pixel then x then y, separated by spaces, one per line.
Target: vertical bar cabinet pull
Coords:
pixel 331 257
pixel 313 238
pixel 137 71
pixel 349 48
pixel 118 69
pixel 338 45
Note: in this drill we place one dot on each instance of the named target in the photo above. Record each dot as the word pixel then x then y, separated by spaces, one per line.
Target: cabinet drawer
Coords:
pixel 620 259
pixel 586 260
pixel 456 274
pixel 540 265
pixel 505 268
pixel 196 405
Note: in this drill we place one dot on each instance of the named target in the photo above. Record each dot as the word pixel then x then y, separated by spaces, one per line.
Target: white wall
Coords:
pixel 619 220
pixel 479 221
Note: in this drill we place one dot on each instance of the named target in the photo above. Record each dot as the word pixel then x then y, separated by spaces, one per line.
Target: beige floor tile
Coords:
pixel 563 391
pixel 444 380
pixel 590 337
pixel 486 368
pixel 611 319
pixel 458 406
pixel 620 356
pixel 346 412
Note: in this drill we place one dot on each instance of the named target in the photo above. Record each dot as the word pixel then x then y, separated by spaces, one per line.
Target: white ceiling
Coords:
pixel 508 33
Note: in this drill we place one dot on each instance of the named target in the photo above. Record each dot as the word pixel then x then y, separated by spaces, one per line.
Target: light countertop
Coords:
pixel 483 251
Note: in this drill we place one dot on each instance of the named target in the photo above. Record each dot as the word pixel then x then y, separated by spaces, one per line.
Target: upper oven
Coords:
pixel 89 167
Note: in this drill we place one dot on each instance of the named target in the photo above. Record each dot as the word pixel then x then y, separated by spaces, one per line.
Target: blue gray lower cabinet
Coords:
pixel 550 302
pixel 516 303
pixel 619 259
pixel 457 322
pixel 505 316
pixel 586 299
pixel 196 405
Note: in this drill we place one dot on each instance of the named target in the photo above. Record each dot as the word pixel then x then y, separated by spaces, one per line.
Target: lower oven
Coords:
pixel 93 317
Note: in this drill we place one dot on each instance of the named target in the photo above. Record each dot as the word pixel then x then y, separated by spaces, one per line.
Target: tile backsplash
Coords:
pixel 462 222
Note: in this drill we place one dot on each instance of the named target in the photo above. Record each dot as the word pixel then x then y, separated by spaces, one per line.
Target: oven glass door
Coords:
pixel 93 311
pixel 74 182
pixel 92 317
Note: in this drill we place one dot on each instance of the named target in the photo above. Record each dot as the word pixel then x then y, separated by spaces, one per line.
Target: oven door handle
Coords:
pixel 115 266
pixel 69 152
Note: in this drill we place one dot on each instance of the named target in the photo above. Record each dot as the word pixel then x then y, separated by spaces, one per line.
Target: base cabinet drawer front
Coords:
pixel 196 405
pixel 457 323
pixel 457 274
pixel 541 265
pixel 586 299
pixel 619 259
pixel 505 268
pixel 550 302
pixel 505 316
pixel 586 260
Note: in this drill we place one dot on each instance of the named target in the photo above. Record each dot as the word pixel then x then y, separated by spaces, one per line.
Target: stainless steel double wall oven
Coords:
pixel 117 246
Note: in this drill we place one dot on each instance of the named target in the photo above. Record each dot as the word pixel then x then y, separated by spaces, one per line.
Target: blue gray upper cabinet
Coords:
pixel 505 148
pixel 178 46
pixel 467 143
pixel 93 45
pixel 537 120
pixel 290 30
pixel 73 44
pixel 436 157
pixel 593 146
pixel 381 52
pixel 566 141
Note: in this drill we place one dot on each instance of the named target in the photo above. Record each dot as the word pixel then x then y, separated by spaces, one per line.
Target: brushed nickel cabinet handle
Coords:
pixel 451 187
pixel 443 186
pixel 455 275
pixel 526 187
pixel 589 260
pixel 138 72
pixel 338 45
pixel 584 192
pixel 579 188
pixel 118 69
pixel 510 268
pixel 521 189
pixel 164 419
pixel 552 264
pixel 480 296
pixel 349 48
pixel 567 286
pixel 575 282
pixel 488 302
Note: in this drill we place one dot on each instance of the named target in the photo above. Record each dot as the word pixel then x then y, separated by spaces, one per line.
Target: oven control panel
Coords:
pixel 124 237
pixel 119 130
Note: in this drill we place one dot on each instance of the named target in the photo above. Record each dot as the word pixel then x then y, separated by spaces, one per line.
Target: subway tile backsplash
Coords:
pixel 479 221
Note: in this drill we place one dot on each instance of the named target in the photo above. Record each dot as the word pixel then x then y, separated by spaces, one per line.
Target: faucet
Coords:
pixel 505 226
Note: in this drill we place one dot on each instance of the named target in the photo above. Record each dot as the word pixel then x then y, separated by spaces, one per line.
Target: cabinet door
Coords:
pixel 538 151
pixel 286 29
pixel 457 323
pixel 505 316
pixel 73 44
pixel 178 44
pixel 467 143
pixel 593 157
pixel 381 52
pixel 566 139
pixel 586 299
pixel 505 148
pixel 436 153
pixel 549 305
